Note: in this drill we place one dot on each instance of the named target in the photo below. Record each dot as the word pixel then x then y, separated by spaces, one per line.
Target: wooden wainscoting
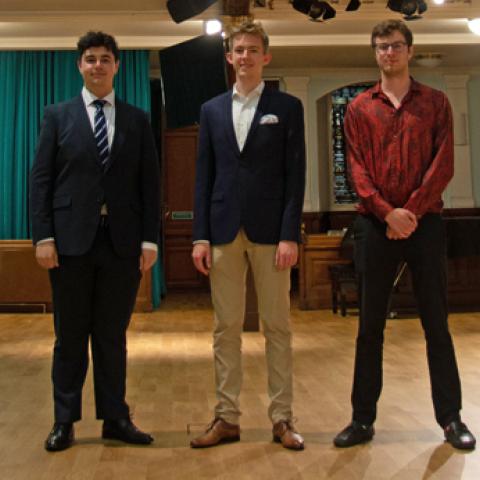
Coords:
pixel 25 286
pixel 317 253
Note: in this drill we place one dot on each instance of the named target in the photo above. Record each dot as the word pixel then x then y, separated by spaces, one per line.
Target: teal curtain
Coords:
pixel 28 82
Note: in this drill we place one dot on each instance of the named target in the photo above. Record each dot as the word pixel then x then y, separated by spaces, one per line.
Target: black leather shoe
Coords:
pixel 354 434
pixel 125 431
pixel 60 438
pixel 458 435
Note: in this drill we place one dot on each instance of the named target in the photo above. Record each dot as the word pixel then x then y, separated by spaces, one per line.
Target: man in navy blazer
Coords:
pixel 250 182
pixel 94 205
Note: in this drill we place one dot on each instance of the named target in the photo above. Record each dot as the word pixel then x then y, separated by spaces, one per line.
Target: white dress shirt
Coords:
pixel 243 111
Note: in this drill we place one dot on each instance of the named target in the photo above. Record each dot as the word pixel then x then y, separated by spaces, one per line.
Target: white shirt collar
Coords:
pixel 89 97
pixel 256 92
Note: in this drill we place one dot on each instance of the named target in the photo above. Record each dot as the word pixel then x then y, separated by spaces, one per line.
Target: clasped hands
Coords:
pixel 401 223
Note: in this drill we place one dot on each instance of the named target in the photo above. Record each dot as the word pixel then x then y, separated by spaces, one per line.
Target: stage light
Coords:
pixel 411 9
pixel 212 27
pixel 474 25
pixel 315 9
pixel 181 10
pixel 353 5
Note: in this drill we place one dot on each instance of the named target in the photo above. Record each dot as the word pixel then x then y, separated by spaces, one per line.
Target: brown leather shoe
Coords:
pixel 219 431
pixel 285 433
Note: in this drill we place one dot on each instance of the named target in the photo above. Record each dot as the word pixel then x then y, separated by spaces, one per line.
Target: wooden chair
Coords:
pixel 343 277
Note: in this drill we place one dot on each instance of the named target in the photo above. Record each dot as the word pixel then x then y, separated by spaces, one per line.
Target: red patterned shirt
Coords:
pixel 400 158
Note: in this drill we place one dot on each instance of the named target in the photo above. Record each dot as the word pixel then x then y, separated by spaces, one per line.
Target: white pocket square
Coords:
pixel 270 118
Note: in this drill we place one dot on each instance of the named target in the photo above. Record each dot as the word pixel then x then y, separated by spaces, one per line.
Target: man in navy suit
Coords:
pixel 95 217
pixel 250 183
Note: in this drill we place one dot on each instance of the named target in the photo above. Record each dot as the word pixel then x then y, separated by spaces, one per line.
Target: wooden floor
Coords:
pixel 170 384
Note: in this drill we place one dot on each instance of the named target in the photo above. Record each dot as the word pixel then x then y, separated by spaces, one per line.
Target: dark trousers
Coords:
pixel 93 298
pixel 377 260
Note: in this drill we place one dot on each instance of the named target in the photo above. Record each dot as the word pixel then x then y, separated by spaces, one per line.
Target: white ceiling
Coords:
pixel 296 41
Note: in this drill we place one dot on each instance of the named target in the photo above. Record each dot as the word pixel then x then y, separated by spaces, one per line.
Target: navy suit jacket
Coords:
pixel 260 188
pixel 68 185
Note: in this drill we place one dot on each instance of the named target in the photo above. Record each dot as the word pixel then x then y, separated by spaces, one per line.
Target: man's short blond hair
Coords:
pixel 250 27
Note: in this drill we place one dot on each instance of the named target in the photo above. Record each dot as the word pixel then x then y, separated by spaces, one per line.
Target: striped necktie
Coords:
pixel 101 132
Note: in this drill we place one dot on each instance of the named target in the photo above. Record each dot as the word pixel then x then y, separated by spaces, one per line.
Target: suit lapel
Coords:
pixel 121 125
pixel 262 109
pixel 228 122
pixel 84 128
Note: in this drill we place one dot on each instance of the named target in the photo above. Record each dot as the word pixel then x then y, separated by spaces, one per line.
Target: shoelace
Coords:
pixel 291 423
pixel 207 426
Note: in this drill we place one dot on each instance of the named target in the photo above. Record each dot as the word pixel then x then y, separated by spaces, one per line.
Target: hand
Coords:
pixel 147 259
pixel 392 235
pixel 401 223
pixel 202 257
pixel 46 255
pixel 286 255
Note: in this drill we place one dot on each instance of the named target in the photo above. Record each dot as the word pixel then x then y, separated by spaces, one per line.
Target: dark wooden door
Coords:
pixel 179 181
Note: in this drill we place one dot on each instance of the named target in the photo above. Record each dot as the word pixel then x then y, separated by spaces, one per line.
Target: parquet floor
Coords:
pixel 170 384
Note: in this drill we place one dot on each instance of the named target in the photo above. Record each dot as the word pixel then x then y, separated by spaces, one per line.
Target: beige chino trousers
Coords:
pixel 228 286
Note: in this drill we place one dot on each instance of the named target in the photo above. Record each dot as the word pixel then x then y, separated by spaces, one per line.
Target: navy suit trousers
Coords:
pixel 93 298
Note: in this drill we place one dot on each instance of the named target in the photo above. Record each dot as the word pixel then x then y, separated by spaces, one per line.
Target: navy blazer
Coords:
pixel 260 188
pixel 68 185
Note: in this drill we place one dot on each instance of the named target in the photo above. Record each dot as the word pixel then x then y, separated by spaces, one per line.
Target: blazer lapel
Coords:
pixel 262 109
pixel 228 122
pixel 121 124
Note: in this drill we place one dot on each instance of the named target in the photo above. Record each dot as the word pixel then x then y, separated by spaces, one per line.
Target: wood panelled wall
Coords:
pixel 25 286
pixel 319 251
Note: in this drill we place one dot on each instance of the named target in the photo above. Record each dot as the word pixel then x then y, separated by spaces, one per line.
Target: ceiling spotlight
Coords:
pixel 353 5
pixel 422 6
pixel 212 27
pixel 181 10
pixel 321 11
pixel 411 9
pixel 438 2
pixel 317 10
pixel 474 25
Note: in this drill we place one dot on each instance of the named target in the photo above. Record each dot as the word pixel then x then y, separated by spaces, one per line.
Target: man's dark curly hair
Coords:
pixel 97 39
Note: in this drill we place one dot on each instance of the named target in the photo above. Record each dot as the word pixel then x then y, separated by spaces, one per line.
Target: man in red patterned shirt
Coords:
pixel 400 153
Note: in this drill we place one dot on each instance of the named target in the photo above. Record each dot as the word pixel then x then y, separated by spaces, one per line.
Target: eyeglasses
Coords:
pixel 384 47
